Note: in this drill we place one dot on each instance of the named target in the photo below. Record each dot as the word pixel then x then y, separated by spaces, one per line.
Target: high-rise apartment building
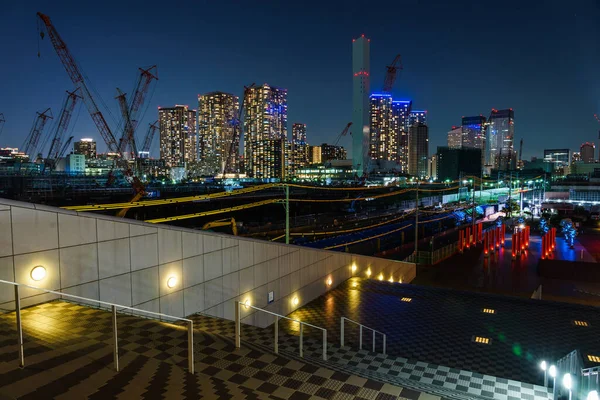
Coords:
pixel 178 137
pixel 314 155
pixel 473 134
pixel 217 121
pixel 418 150
pixel 265 123
pixel 360 103
pixel 500 134
pixel 455 137
pixel 384 133
pixel 330 152
pixel 417 116
pixel 587 151
pixel 299 148
pixel 400 122
pixel 85 146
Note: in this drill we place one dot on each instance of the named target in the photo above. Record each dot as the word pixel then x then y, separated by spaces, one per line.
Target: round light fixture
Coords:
pixel 246 303
pixel 593 395
pixel 295 301
pixel 543 365
pixel 354 267
pixel 552 371
pixel 369 272
pixel 171 282
pixel 329 281
pixel 38 273
pixel 567 381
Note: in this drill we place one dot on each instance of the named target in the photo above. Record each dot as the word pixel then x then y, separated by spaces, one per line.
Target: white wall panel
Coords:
pixel 33 230
pixel 74 230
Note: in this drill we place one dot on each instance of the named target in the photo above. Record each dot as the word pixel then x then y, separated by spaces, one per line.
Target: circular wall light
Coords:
pixel 171 282
pixel 246 303
pixel 38 273
pixel 329 281
pixel 354 267
pixel 295 301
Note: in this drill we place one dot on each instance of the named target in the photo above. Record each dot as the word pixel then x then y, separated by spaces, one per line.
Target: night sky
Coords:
pixel 460 58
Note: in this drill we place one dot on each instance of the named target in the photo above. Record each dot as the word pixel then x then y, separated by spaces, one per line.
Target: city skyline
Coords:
pixel 41 82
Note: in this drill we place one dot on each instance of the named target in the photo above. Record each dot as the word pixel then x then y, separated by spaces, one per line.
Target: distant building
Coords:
pixel 314 155
pixel 400 122
pixel 499 148
pixel 576 156
pixel 73 164
pixel 557 158
pixel 473 134
pixel 383 136
pixel 299 148
pixel 433 174
pixel 418 150
pixel 360 102
pixel 12 154
pixel 455 137
pixel 588 151
pixel 178 138
pixel 330 152
pixel 217 119
pixel 417 117
pixel 452 162
pixel 85 146
pixel 265 123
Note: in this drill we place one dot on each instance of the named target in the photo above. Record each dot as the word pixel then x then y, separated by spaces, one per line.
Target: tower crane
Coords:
pixel 31 142
pixel 390 75
pixel 2 121
pixel 152 128
pixel 343 133
pixel 62 126
pixel 63 149
pixel 237 132
pixel 128 138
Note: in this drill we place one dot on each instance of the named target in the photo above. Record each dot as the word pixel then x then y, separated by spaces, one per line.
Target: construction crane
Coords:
pixel 222 222
pixel 390 75
pixel 343 133
pixel 63 149
pixel 141 90
pixel 63 125
pixel 77 78
pixel 152 128
pixel 237 132
pixel 128 137
pixel 31 142
pixel 2 121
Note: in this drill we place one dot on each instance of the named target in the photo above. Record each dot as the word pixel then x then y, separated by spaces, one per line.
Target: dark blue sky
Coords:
pixel 460 58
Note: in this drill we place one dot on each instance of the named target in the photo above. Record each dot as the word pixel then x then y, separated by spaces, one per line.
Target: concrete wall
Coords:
pixel 129 262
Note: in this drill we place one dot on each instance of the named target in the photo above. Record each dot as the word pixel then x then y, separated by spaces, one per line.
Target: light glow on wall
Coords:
pixel 171 282
pixel 38 273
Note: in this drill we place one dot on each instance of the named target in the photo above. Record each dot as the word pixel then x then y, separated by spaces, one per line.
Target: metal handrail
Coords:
pixel 113 307
pixel 360 335
pixel 238 328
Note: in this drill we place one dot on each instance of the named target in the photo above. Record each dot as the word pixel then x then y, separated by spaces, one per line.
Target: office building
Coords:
pixel 265 123
pixel 217 124
pixel 330 152
pixel 178 138
pixel 587 151
pixel 473 134
pixel 418 150
pixel 451 163
pixel 417 117
pixel 360 103
pixel 499 149
pixel 432 172
pixel 455 137
pixel 299 148
pixel 314 155
pixel 384 132
pixel 85 146
pixel 557 158
pixel 575 157
pixel 72 164
pixel 400 122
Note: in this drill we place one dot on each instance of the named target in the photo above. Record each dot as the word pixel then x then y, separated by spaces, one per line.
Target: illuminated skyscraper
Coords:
pixel 455 136
pixel 217 116
pixel 499 149
pixel 265 123
pixel 400 123
pixel 417 116
pixel 418 150
pixel 384 138
pixel 178 138
pixel 576 157
pixel 360 103
pixel 299 149
pixel 85 146
pixel 473 134
pixel 587 152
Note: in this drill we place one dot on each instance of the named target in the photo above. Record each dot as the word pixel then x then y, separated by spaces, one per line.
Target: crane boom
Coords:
pixel 32 140
pixel 149 136
pixel 128 129
pixel 63 149
pixel 2 121
pixel 141 90
pixel 77 78
pixel 63 124
pixel 343 133
pixel 390 76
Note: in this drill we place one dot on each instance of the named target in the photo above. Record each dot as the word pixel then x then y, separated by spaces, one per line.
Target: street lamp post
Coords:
pixel 544 368
pixel 568 383
pixel 552 372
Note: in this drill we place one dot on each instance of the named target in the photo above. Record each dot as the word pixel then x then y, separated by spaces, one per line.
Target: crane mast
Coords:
pixel 63 124
pixel 149 136
pixel 77 78
pixel 32 140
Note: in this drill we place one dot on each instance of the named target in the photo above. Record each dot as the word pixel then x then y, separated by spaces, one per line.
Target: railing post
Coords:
pixel 373 341
pixel 238 326
pixel 360 337
pixel 115 338
pixel 301 333
pixel 384 343
pixel 191 346
pixel 324 344
pixel 19 327
pixel 342 332
pixel 276 335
